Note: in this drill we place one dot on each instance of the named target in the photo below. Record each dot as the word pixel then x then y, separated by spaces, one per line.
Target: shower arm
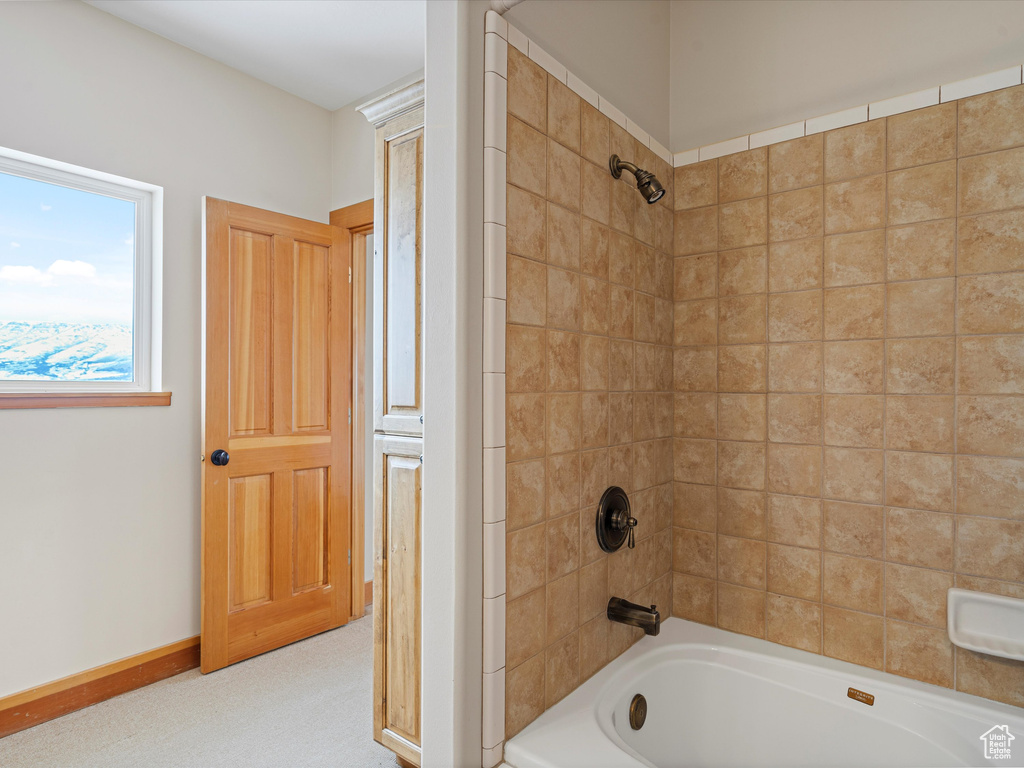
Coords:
pixel 617 165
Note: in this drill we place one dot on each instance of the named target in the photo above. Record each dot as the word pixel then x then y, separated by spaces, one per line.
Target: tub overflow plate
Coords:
pixel 637 712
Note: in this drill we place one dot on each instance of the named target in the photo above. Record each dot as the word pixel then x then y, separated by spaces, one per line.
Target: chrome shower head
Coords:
pixel 646 181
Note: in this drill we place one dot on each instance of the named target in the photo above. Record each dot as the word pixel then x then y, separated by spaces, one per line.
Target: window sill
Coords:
pixel 9 400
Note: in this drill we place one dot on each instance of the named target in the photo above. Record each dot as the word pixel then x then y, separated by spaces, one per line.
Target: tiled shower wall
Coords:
pixel 588 377
pixel 849 372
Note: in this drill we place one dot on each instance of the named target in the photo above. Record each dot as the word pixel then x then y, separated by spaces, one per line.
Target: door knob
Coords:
pixel 220 458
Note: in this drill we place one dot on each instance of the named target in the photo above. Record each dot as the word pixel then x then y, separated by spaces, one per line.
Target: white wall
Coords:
pixel 749 65
pixel 99 508
pixel 618 47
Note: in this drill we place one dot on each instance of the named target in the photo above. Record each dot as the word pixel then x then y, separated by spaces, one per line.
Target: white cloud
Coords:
pixel 14 274
pixel 72 268
pixel 45 207
pixel 15 245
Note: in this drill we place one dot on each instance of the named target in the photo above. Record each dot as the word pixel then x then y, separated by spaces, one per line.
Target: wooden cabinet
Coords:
pixel 398 418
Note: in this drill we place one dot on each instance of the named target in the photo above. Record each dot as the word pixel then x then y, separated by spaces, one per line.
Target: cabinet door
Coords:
pixel 398 262
pixel 396 593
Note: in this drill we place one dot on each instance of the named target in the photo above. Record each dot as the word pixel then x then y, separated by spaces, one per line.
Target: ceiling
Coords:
pixel 329 52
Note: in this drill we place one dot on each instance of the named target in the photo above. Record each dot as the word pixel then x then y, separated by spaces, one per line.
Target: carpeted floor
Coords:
pixel 303 706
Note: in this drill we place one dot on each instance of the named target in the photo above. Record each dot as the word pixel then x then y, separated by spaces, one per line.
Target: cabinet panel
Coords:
pixel 397 587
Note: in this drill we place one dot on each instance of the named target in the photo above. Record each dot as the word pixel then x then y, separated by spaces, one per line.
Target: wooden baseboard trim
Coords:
pixel 368 592
pixel 61 697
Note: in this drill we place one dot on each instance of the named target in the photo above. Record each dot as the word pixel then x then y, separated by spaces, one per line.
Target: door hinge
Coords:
pixel 350 557
pixel 350 417
pixel 350 274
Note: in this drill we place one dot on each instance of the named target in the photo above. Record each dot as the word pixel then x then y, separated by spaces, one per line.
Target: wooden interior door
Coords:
pixel 277 393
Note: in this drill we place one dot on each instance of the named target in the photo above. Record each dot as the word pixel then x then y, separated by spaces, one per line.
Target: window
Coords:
pixel 80 262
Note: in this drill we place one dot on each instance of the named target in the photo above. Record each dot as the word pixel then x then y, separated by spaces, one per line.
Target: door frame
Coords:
pixel 358 220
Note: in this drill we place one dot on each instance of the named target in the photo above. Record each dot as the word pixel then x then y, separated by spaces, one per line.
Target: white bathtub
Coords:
pixel 719 699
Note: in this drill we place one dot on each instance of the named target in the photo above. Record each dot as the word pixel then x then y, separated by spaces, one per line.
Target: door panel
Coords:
pixel 276 518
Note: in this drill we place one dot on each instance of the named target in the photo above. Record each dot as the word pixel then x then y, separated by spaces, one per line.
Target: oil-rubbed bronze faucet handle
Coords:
pixel 631 543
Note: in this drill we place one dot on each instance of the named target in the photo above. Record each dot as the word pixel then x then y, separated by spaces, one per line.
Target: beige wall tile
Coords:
pixel 695 506
pixel 852 206
pixel 527 90
pixel 594 135
pixel 594 239
pixel 792 622
pixel 742 271
pixel 524 559
pixel 741 513
pixel 857 150
pixel 646 269
pixel 524 494
pixel 563 546
pixel 695 553
pixel 992 121
pixel 855 258
pixel 853 529
pixel 741 368
pixel 696 414
pixel 921 308
pixel 794 520
pixel 694 461
pixel 621 311
pixel 794 469
pixel 525 360
pixel 527 291
pixel 990 487
pixel 696 277
pixel 922 193
pixel 594 362
pixel 857 312
pixel 524 426
pixel 794 367
pixel 741 609
pixel 919 538
pixel 694 598
pixel 794 418
pixel 920 423
pixel 563 423
pixel 563 115
pixel 794 164
pixel 990 676
pixel 992 182
pixel 741 465
pixel 919 480
pixel 855 637
pixel 695 369
pixel 743 175
pixel 696 185
pixel 853 474
pixel 563 294
pixel 794 571
pixel 621 260
pixel 563 176
pixel 741 561
pixel 596 192
pixel 854 421
pixel 563 483
pixel 991 425
pixel 921 653
pixel 991 365
pixel 922 136
pixel 853 582
pixel 696 231
pixel 1004 588
pixel 593 306
pixel 992 242
pixel 924 250
pixel 526 165
pixel 854 367
pixel 741 417
pixel 593 481
pixel 562 607
pixel 696 322
pixel 526 227
pixel 743 223
pixel 741 319
pixel 990 548
pixel 920 366
pixel 562 665
pixel 795 316
pixel 623 205
pixel 795 266
pixel 524 628
pixel 917 595
pixel 524 695
pixel 795 215
pixel 563 361
pixel 991 303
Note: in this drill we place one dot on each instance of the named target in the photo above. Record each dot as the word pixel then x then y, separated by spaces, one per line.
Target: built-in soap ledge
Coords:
pixel 986 623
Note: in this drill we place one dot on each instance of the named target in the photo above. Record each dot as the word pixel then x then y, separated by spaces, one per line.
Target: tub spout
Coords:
pixel 625 612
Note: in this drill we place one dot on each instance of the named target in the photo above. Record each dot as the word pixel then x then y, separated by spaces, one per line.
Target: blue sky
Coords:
pixel 65 255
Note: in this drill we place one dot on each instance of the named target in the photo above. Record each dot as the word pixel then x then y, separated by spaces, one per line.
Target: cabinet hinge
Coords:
pixel 350 274
pixel 350 557
pixel 350 417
